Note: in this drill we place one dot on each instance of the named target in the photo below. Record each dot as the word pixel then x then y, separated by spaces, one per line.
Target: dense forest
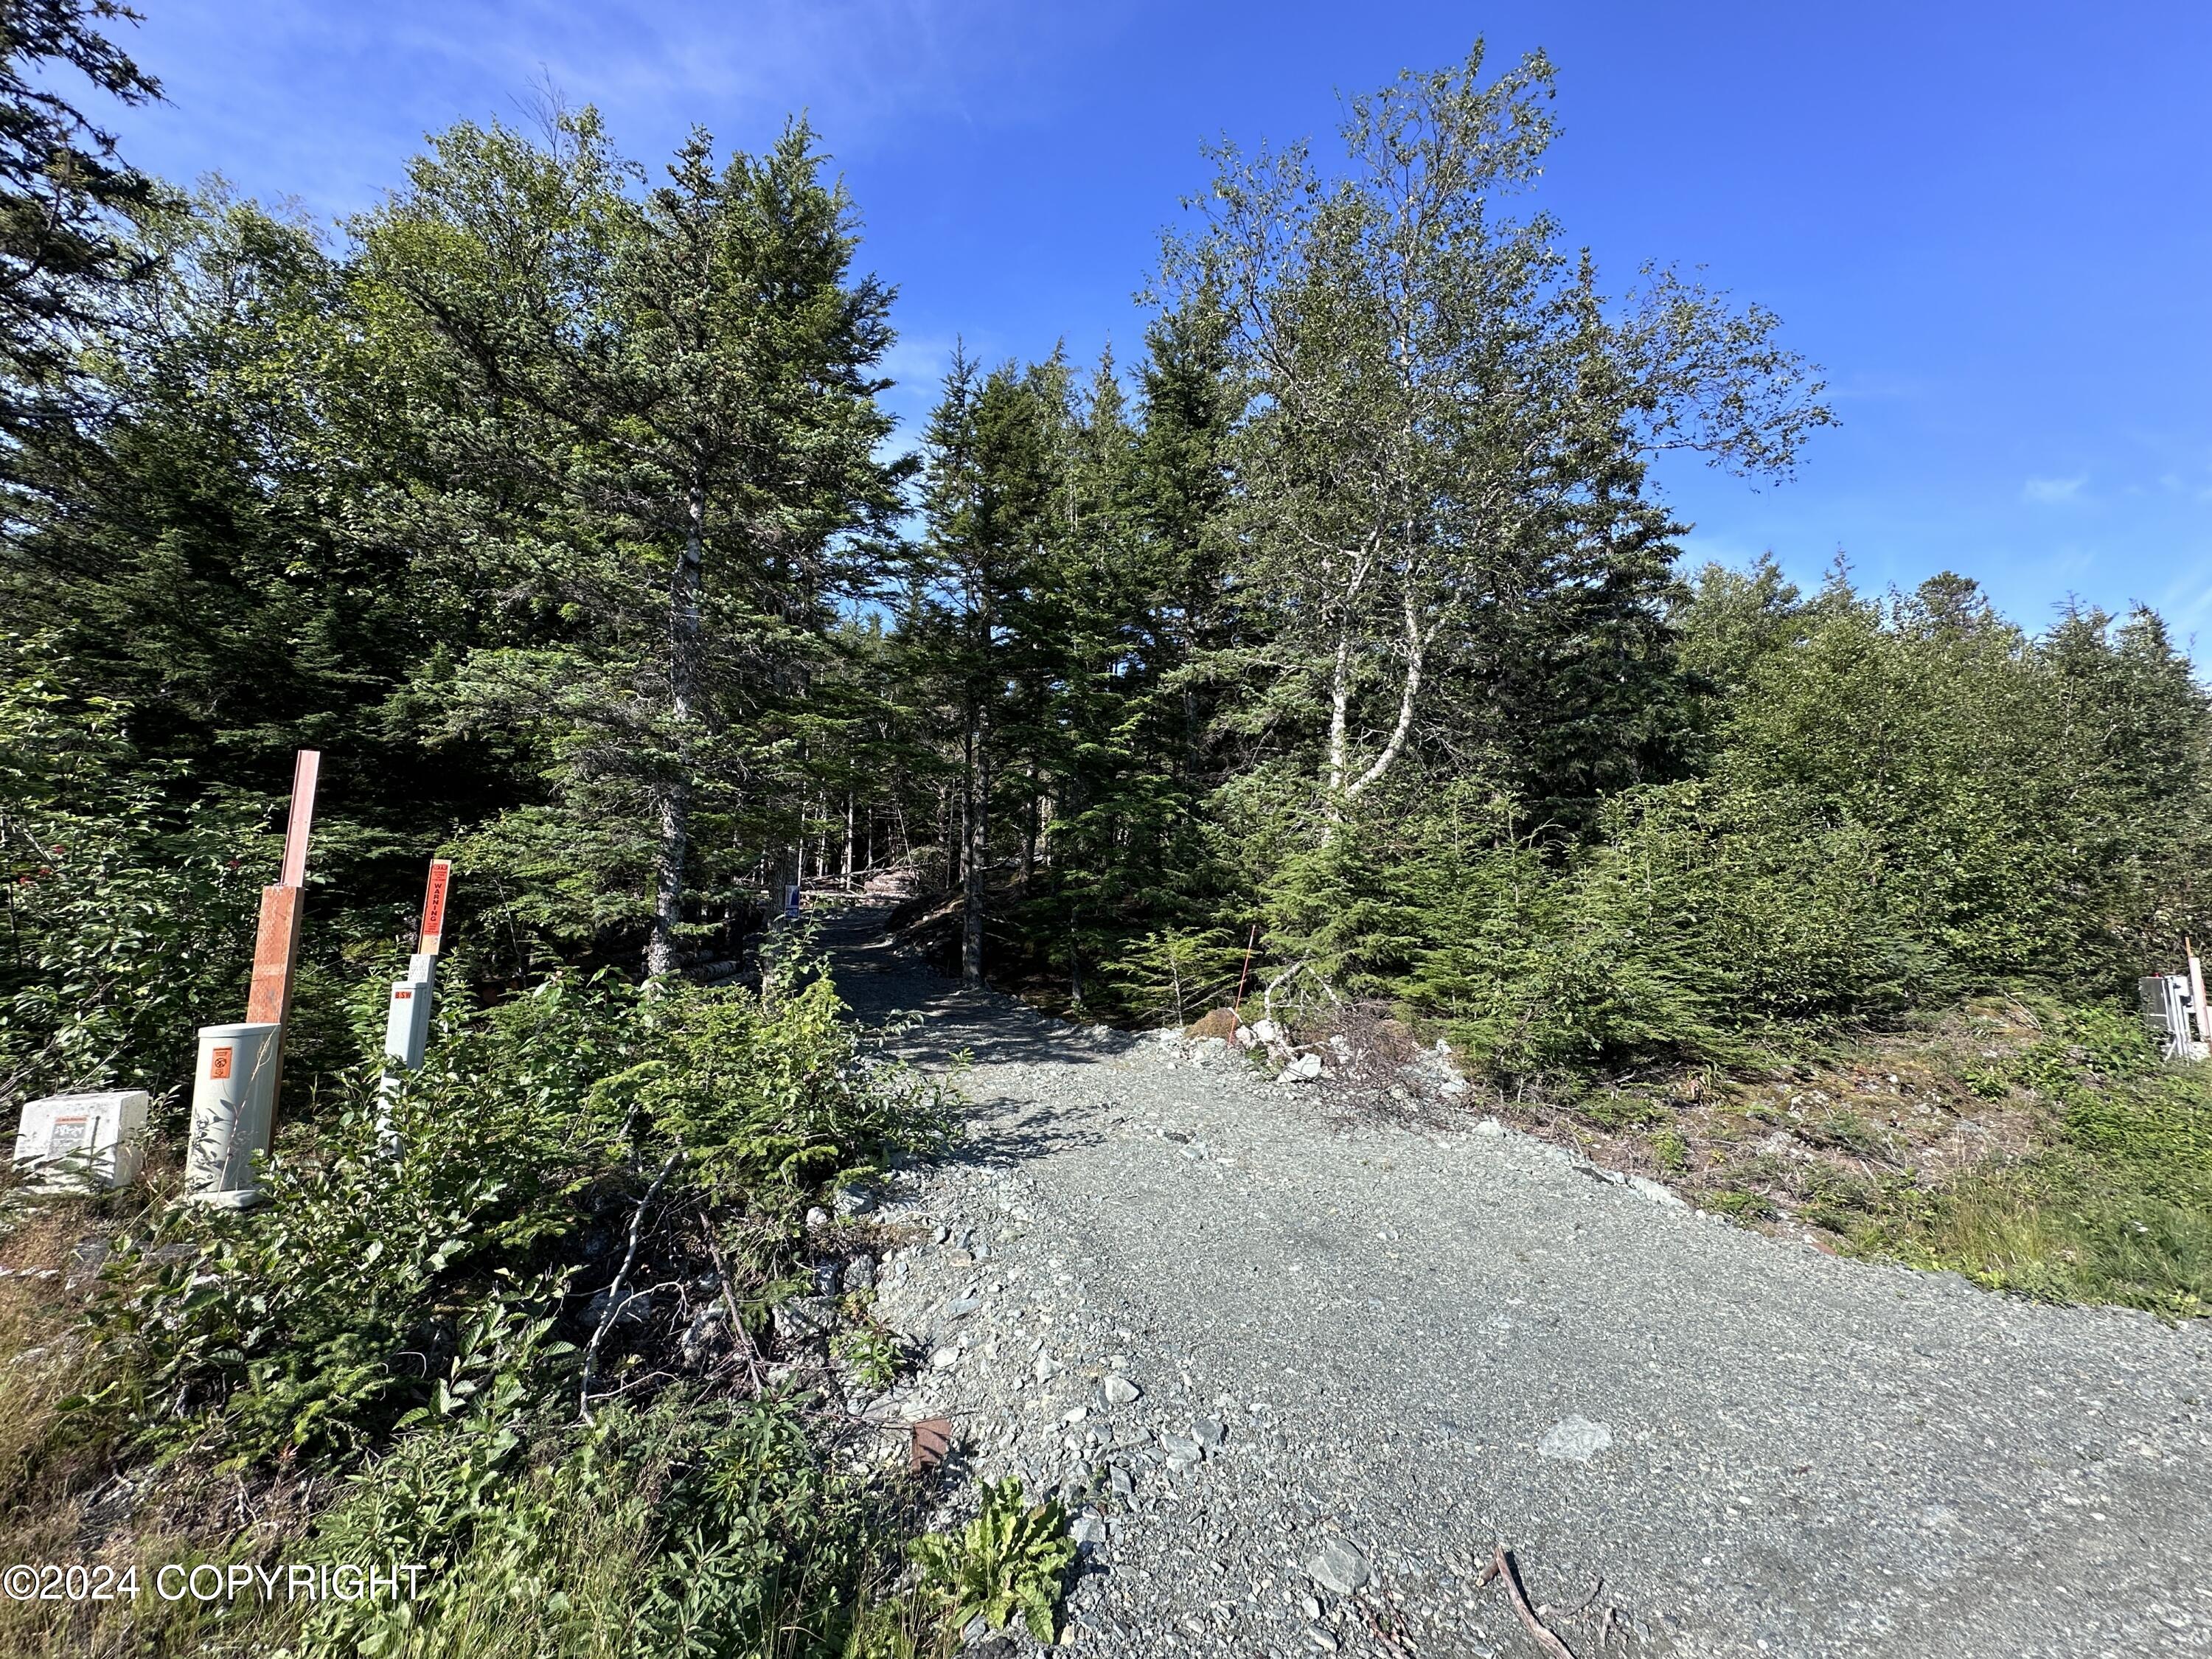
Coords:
pixel 556 503
pixel 1337 651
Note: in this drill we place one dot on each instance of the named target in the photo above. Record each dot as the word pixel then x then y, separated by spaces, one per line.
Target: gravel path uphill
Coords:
pixel 1298 1375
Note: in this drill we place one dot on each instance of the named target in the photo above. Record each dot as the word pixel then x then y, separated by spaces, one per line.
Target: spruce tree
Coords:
pixel 663 402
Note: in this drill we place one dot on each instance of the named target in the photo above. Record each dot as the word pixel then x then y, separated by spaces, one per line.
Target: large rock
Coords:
pixel 1306 1068
pixel 1576 1439
pixel 1221 1022
pixel 1337 1567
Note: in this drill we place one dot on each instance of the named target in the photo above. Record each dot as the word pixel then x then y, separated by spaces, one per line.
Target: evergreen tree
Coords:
pixel 66 197
pixel 664 403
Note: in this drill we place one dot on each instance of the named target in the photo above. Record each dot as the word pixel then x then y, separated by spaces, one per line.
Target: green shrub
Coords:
pixel 1012 1559
pixel 130 903
pixel 380 1284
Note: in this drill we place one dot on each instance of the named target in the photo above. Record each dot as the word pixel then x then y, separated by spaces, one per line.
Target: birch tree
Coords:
pixel 1426 368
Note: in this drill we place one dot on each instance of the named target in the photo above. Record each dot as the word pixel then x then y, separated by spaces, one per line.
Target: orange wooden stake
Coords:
pixel 277 942
pixel 276 947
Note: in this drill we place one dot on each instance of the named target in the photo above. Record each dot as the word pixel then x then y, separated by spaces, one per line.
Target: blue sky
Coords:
pixel 1991 223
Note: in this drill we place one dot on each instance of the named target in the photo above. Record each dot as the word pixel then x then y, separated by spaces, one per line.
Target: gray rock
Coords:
pixel 961 1307
pixel 1576 1439
pixel 854 1201
pixel 636 1306
pixel 828 1277
pixel 816 1219
pixel 860 1273
pixel 1177 1447
pixel 1338 1566
pixel 1304 1069
pixel 1120 1391
pixel 805 1321
pixel 1209 1433
pixel 706 1334
pixel 1657 1192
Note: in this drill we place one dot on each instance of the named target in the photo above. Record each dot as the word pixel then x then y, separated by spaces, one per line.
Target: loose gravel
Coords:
pixel 1295 1377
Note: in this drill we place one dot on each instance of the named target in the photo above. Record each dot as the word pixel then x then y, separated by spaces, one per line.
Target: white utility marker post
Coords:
pixel 235 1084
pixel 233 1109
pixel 2196 1008
pixel 407 1017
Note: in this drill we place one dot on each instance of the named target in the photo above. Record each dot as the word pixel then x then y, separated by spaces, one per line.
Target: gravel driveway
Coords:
pixel 1300 1374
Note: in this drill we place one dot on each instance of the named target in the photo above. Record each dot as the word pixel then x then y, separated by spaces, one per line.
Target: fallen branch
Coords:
pixel 738 1334
pixel 615 1290
pixel 1501 1566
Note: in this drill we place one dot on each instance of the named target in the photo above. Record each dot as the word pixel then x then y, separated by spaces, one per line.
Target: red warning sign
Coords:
pixel 219 1063
pixel 434 906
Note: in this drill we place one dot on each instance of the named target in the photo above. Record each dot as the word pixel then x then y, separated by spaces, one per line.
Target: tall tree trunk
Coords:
pixel 1340 710
pixel 1029 834
pixel 974 844
pixel 674 797
pixel 1074 961
pixel 956 854
pixel 1417 644
pixel 848 840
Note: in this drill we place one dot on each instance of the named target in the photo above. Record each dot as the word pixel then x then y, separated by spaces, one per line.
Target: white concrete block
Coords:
pixel 77 1143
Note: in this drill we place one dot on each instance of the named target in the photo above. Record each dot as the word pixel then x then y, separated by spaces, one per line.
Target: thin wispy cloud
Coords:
pixel 282 95
pixel 2047 492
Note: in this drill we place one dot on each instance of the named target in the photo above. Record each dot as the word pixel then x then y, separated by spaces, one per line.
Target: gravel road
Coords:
pixel 1299 1374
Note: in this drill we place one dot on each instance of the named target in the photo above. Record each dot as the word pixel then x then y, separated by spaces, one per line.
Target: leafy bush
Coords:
pixel 130 908
pixel 692 1526
pixel 1013 1559
pixel 378 1288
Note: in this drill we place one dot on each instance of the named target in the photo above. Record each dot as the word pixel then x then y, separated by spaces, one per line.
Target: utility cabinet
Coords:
pixel 233 1105
pixel 2171 1015
pixel 82 1143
